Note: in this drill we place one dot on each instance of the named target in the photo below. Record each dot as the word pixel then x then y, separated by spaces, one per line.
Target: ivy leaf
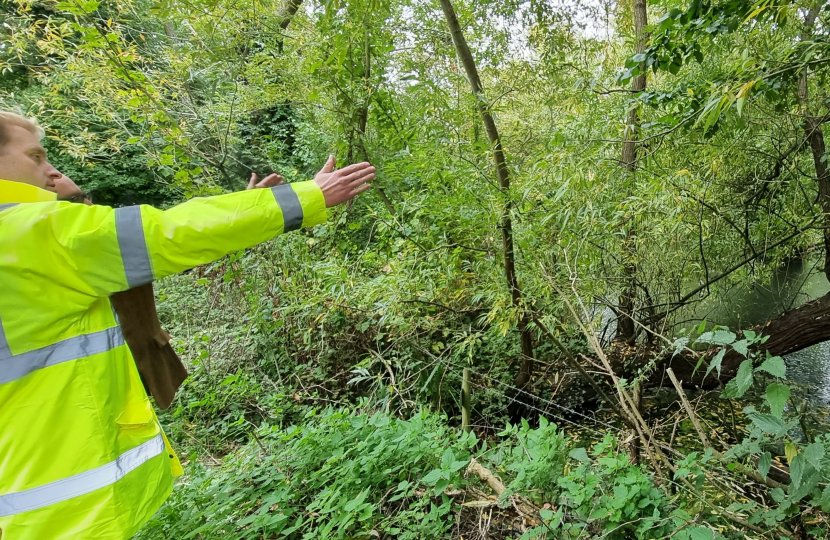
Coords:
pixel 764 463
pixel 777 396
pixel 775 366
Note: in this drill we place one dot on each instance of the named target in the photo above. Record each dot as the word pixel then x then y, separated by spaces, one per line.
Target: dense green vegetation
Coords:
pixel 647 170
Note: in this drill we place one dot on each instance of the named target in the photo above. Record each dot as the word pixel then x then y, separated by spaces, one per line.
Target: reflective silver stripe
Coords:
pixel 133 246
pixel 13 367
pixel 80 484
pixel 6 206
pixel 292 210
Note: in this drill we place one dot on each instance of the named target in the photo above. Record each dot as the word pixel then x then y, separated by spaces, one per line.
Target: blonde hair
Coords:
pixel 8 118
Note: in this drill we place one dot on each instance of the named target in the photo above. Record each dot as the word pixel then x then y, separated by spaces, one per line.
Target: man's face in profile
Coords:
pixel 23 159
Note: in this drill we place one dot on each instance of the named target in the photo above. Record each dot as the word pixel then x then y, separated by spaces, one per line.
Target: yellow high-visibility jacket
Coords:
pixel 82 455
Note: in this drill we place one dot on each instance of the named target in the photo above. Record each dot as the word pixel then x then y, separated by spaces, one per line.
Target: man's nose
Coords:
pixel 52 174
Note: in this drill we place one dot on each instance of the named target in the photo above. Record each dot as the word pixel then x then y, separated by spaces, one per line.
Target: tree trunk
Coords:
pixel 792 331
pixel 288 13
pixel 506 225
pixel 626 329
pixel 815 138
pixel 358 132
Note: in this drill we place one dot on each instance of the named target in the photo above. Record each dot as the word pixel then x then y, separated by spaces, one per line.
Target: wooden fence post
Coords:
pixel 465 401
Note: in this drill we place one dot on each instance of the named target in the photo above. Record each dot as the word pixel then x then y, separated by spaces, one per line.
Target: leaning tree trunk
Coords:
pixel 791 331
pixel 506 225
pixel 626 329
pixel 815 138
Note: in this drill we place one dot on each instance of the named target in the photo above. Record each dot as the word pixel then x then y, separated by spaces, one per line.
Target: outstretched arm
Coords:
pixel 111 250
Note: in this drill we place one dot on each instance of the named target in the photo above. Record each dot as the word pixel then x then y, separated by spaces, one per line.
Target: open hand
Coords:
pixel 343 184
pixel 269 181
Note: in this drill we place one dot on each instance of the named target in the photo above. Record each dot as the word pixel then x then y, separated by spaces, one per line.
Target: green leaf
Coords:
pixel 742 347
pixel 701 533
pixel 796 471
pixel 764 463
pixel 679 344
pixel 775 366
pixel 432 477
pixel 716 362
pixel 579 454
pixel 738 386
pixel 352 505
pixel 768 423
pixel 441 485
pixel 718 337
pixel 457 465
pixel 777 396
pixel 814 454
pixel 547 515
pixel 447 459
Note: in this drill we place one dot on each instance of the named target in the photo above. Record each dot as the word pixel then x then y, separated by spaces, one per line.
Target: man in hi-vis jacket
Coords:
pixel 82 455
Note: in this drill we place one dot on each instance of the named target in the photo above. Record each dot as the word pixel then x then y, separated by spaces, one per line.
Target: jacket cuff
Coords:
pixel 313 202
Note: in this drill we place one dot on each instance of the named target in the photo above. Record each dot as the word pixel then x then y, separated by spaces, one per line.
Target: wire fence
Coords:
pixel 458 370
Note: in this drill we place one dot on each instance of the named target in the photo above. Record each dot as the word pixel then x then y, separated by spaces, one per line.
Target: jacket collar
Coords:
pixel 16 192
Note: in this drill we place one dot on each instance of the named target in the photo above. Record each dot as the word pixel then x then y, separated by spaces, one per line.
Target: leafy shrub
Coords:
pixel 609 495
pixel 337 475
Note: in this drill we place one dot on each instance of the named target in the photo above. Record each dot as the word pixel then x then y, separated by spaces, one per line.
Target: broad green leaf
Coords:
pixel 814 454
pixel 441 485
pixel 777 396
pixel 447 459
pixel 579 454
pixel 432 477
pixel 796 472
pixel 741 346
pixel 716 362
pixel 738 386
pixel 774 366
pixel 701 533
pixel 718 337
pixel 764 464
pixel 768 423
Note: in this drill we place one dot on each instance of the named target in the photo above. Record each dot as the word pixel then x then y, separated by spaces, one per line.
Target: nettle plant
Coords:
pixel 777 428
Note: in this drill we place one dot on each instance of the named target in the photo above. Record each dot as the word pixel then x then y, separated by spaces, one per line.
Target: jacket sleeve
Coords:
pixel 116 249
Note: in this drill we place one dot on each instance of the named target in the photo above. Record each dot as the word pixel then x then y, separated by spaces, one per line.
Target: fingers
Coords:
pixel 357 167
pixel 271 180
pixel 252 182
pixel 359 177
pixel 329 166
pixel 361 189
